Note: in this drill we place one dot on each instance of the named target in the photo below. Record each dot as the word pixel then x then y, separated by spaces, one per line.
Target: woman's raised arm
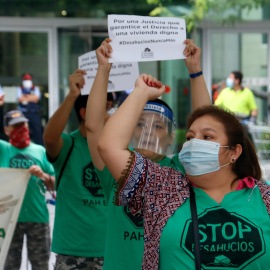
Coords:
pixel 118 131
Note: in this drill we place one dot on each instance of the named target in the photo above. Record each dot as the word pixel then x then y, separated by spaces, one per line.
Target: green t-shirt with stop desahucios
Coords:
pixel 125 233
pixel 81 209
pixel 34 206
pixel 234 234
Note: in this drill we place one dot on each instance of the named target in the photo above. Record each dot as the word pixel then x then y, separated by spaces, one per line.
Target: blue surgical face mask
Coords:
pixel 200 157
pixel 229 82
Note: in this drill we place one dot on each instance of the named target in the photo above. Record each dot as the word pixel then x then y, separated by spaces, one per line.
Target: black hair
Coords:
pixel 80 102
pixel 110 97
pixel 238 75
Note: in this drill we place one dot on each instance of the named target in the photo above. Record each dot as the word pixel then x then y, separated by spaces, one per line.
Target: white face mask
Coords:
pixel 200 157
pixel 27 84
pixel 229 82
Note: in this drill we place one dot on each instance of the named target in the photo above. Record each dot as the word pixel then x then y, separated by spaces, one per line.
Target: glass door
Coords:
pixel 73 42
pixel 245 52
pixel 23 52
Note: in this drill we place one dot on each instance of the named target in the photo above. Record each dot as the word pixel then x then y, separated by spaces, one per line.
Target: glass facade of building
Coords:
pixel 48 37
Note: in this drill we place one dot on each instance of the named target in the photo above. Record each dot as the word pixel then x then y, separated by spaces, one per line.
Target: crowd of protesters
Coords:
pixel 123 201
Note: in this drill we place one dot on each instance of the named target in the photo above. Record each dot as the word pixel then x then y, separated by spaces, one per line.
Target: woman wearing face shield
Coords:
pixel 153 137
pixel 155 131
pixel 214 217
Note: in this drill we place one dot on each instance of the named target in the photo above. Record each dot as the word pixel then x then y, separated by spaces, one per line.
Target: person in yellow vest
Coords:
pixel 238 99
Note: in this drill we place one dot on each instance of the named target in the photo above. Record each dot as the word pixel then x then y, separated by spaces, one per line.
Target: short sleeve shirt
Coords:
pixel 125 233
pixel 162 192
pixel 241 101
pixel 234 234
pixel 81 209
pixel 34 207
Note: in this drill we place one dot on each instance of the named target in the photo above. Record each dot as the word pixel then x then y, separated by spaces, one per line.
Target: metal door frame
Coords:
pixel 51 27
pixel 208 28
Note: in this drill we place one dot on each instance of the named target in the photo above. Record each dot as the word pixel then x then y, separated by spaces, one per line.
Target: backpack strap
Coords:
pixel 65 163
pixel 196 236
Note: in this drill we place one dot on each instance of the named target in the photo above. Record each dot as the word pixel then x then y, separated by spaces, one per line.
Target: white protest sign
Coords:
pixel 13 184
pixel 122 75
pixel 140 38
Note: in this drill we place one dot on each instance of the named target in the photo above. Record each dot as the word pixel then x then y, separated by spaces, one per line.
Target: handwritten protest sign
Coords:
pixel 140 38
pixel 122 75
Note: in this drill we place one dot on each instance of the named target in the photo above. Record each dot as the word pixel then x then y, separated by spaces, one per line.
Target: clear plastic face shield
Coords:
pixel 155 130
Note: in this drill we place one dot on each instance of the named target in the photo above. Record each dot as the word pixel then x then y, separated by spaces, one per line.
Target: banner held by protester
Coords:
pixel 13 184
pixel 122 75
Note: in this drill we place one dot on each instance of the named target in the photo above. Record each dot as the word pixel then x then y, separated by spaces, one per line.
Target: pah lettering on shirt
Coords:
pixel 133 236
pixel 226 239
pixel 87 202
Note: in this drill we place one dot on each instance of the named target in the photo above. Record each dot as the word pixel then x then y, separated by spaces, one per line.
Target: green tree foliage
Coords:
pixel 192 10
pixel 73 8
pixel 224 11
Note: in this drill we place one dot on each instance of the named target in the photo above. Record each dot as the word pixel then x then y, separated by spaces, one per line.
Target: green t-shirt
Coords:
pixel 234 234
pixel 241 101
pixel 81 209
pixel 125 233
pixel 34 207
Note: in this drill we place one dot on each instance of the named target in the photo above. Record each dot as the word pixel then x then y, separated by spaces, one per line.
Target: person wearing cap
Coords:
pixel 153 137
pixel 79 232
pixel 33 220
pixel 28 96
